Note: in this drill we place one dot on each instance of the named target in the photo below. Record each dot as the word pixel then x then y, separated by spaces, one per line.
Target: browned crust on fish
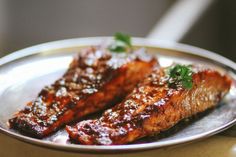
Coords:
pixel 95 80
pixel 152 107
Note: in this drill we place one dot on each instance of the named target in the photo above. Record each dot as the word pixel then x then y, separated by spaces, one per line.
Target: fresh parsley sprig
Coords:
pixel 180 75
pixel 122 43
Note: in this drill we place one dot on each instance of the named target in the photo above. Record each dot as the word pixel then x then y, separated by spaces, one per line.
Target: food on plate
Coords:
pixel 96 79
pixel 160 101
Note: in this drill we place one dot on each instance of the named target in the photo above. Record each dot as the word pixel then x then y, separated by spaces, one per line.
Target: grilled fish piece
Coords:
pixel 152 107
pixel 95 80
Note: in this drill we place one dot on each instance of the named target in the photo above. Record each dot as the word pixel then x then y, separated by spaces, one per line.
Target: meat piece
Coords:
pixel 95 80
pixel 152 107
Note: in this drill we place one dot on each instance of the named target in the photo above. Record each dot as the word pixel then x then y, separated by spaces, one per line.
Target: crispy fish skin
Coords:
pixel 95 80
pixel 152 107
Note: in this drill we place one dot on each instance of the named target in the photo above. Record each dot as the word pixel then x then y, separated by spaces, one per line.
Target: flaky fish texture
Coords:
pixel 152 107
pixel 95 80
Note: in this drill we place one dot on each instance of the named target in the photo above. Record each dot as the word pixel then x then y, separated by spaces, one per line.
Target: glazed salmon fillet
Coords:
pixel 153 106
pixel 95 80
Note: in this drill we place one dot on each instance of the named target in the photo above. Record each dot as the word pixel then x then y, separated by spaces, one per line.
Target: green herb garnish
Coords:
pixel 122 43
pixel 180 75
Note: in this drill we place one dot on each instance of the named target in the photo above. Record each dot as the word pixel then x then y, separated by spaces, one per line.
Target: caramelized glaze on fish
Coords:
pixel 152 107
pixel 95 80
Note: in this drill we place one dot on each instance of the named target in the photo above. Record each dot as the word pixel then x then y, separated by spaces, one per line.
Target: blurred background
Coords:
pixel 28 22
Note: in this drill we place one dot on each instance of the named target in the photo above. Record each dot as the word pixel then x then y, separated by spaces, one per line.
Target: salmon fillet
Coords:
pixel 152 107
pixel 95 80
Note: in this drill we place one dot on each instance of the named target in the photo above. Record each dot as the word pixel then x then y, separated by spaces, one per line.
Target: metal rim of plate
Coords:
pixel 137 42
